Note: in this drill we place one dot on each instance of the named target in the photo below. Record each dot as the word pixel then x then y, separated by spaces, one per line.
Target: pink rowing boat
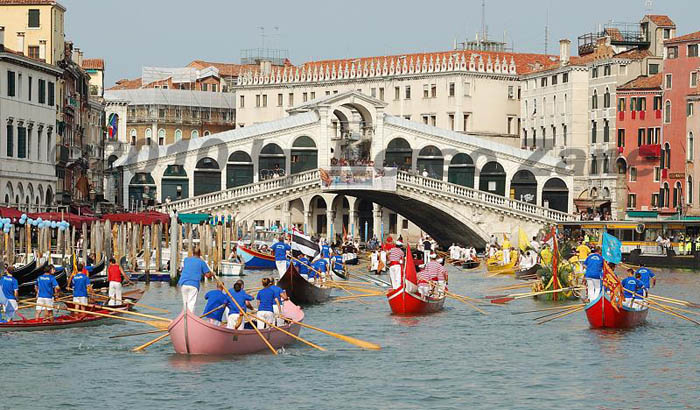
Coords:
pixel 192 335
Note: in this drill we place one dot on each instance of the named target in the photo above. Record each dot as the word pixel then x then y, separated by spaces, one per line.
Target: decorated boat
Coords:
pixel 405 300
pixel 254 259
pixel 72 319
pixel 300 290
pixel 495 267
pixel 195 336
pixel 601 314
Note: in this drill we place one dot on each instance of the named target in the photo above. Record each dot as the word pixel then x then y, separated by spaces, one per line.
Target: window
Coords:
pixel 606 70
pixel 594 100
pixel 42 91
pixel 544 138
pixel 554 79
pixel 161 113
pixel 554 136
pixel 620 137
pixel 606 98
pixel 594 165
pixel 689 109
pixel 632 200
pixel 52 94
pixel 264 100
pixel 606 131
pixel 667 33
pixel 426 91
pixel 10 140
pixel 640 136
pixel 373 92
pixel 304 97
pixel 279 100
pixel 691 146
pixel 205 87
pixel 693 50
pixel 33 19
pixel 206 133
pixel 257 100
pixel 667 112
pixel 426 118
pixel 633 174
pixel 511 92
pixel 328 92
pixel 465 122
pixel 149 134
pixel 642 104
pixel 689 190
pixel 565 78
pixel 594 72
pixel 606 164
pixel 563 134
pixel 543 82
pixel 161 136
pixel 195 133
pixel 312 94
pixel 653 69
pixel 433 120
pixel 242 104
pixel 534 138
pixel 21 142
pixel 433 91
pixel 694 79
pixel 29 88
pixel 397 93
pixel 657 103
pixel 672 52
pixel 381 93
pixel 669 81
pixel 132 137
pixel 451 90
pixel 407 92
pixel 657 174
pixel 654 200
pixel 451 120
pixel 33 52
pixel 178 135
pixel 623 69
pixel 291 99
pixel 509 125
pixel 594 131
pixel 621 104
pixel 10 83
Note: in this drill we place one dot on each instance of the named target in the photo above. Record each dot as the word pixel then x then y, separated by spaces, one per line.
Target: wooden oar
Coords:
pixel 662 309
pixel 466 302
pixel 357 342
pixel 346 298
pixel 155 309
pixel 293 335
pixel 153 323
pixel 546 309
pixel 560 315
pixel 674 308
pixel 147 332
pixel 559 312
pixel 159 338
pixel 675 301
pixel 525 295
pixel 122 311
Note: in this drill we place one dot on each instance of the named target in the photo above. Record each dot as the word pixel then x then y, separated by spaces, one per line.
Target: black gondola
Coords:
pixel 528 274
pixel 23 273
pixel 471 264
pixel 300 290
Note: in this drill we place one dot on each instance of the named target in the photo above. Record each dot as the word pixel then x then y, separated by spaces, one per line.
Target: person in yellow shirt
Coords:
pixel 506 250
pixel 546 255
pixel 583 251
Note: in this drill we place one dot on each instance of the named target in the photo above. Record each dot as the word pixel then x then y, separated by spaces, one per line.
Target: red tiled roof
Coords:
pixel 643 82
pixel 127 84
pixel 635 54
pixel 614 33
pixel 687 37
pixel 225 69
pixel 94 64
pixel 524 62
pixel 661 20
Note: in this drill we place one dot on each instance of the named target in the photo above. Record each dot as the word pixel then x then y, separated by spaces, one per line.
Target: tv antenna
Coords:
pixel 648 6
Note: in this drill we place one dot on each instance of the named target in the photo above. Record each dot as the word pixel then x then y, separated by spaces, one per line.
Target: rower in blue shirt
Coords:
pixel 280 297
pixel 318 269
pixel 280 249
pixel 243 299
pixel 217 301
pixel 79 284
pixel 46 286
pixel 648 278
pixel 632 287
pixel 594 273
pixel 266 299
pixel 302 264
pixel 10 288
pixel 337 262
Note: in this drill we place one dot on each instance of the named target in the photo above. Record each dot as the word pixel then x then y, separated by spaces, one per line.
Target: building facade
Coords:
pixel 27 130
pixel 34 28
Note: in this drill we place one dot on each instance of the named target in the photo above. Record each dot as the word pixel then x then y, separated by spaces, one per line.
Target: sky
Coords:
pixel 130 34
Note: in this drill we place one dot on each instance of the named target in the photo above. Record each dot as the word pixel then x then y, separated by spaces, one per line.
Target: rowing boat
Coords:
pixel 300 290
pixel 154 277
pixel 601 314
pixel 195 336
pixel 338 274
pixel 405 300
pixel 254 259
pixel 473 264
pixel 495 267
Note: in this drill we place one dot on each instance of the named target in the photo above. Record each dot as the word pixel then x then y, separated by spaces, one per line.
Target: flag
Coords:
pixel 612 249
pixel 304 244
pixel 409 271
pixel 555 264
pixel 612 282
pixel 345 234
pixel 523 243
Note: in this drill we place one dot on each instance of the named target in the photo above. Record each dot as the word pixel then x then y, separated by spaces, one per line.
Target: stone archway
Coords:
pixel 304 155
pixel 431 162
pixel 492 178
pixel 239 169
pixel 175 184
pixel 461 170
pixel 523 186
pixel 399 154
pixel 271 161
pixel 207 176
pixel 555 195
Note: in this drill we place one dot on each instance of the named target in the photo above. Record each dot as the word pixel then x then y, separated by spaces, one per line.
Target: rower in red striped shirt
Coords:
pixel 433 272
pixel 395 259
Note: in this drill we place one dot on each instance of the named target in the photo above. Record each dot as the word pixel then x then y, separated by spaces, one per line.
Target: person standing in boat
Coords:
pixel 46 287
pixel 80 284
pixel 427 249
pixel 243 299
pixel 395 259
pixel 10 288
pixel 594 273
pixel 318 269
pixel 302 264
pixel 632 287
pixel 506 250
pixel 583 251
pixel 193 269
pixel 281 249
pixel 216 298
pixel 647 277
pixel 115 273
pixel 266 301
pixel 280 297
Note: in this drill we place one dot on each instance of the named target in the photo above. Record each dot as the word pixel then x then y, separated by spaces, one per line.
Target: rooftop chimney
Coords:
pixel 20 42
pixel 79 57
pixel 564 51
pixel 2 38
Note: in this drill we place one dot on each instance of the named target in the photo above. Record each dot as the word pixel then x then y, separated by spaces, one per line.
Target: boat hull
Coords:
pixel 155 277
pixel 255 260
pixel 406 303
pixel 601 314
pixel 195 336
pixel 468 265
pixel 494 266
pixel 301 291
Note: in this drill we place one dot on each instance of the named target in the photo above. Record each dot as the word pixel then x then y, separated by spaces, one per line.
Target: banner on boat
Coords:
pixel 362 178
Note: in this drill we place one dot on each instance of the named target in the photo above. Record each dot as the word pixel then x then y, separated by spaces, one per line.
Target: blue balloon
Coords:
pixel 53 224
pixel 61 228
pixel 39 219
pixel 24 216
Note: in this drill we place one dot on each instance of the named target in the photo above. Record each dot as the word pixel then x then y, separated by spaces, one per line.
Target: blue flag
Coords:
pixel 612 249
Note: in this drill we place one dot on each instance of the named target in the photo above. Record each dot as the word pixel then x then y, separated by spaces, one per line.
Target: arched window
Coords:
pixel 399 154
pixel 132 137
pixel 667 112
pixel 594 100
pixel 178 135
pixel 239 169
pixel 161 136
pixel 492 178
pixel 148 136
pixel 691 146
pixel 594 192
pixel 194 134
pixel 461 170
pixel 668 155
pixel 430 162
pixel 304 155
pixel 271 161
pixel 555 195
pixel 523 186
pixel 606 192
pixel 606 98
pixel 142 190
pixel 677 195
pixel 621 166
pixel 207 176
pixel 207 133
pixel 175 184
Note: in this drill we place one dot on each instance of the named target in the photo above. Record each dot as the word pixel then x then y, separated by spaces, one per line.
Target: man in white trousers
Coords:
pixel 115 273
pixel 594 273
pixel 395 259
pixel 281 249
pixel 193 269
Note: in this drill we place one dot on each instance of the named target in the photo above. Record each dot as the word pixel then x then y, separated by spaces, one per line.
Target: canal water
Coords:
pixel 454 359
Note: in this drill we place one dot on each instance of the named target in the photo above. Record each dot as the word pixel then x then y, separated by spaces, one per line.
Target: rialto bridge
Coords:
pixel 331 166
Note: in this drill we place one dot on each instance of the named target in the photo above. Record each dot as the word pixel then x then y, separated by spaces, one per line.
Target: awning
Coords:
pixel 642 214
pixel 72 219
pixel 144 218
pixel 10 213
pixel 194 219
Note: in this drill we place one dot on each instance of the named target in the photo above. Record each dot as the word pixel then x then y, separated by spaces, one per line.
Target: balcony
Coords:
pixel 650 150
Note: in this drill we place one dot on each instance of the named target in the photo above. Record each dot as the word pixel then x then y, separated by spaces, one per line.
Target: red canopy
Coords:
pixel 10 213
pixel 72 219
pixel 146 217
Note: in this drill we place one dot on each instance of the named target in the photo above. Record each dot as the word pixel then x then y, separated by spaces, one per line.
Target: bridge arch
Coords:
pixel 239 169
pixel 523 186
pixel 175 184
pixel 431 161
pixel 142 188
pixel 399 153
pixel 492 178
pixel 555 195
pixel 461 170
pixel 304 154
pixel 271 160
pixel 207 176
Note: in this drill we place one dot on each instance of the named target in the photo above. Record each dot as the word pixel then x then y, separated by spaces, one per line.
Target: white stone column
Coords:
pixel 330 224
pixel 377 216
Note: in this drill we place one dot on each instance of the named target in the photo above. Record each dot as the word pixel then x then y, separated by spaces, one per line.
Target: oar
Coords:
pixel 123 311
pixel 559 312
pixel 675 301
pixel 293 335
pixel 159 338
pixel 453 296
pixel 674 308
pixel 153 323
pixel 148 332
pixel 525 295
pixel 320 274
pixel 560 315
pixel 662 309
pixel 156 309
pixel 346 298
pixel 357 342
pixel 545 309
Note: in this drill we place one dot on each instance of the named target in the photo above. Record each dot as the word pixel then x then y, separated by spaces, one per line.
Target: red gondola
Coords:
pixel 404 301
pixel 601 314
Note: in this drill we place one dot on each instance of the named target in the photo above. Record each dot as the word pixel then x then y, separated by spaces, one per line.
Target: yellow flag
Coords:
pixel 522 239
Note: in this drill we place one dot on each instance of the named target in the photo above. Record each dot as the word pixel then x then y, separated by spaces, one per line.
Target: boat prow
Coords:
pixel 601 314
pixel 195 336
pixel 403 302
pixel 254 259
